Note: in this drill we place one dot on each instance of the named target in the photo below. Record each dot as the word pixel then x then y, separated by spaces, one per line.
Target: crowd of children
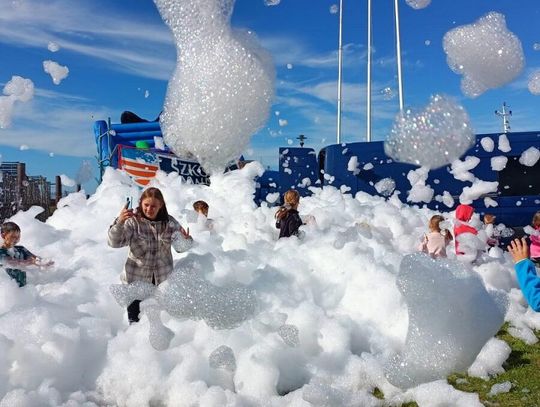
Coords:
pixel 150 233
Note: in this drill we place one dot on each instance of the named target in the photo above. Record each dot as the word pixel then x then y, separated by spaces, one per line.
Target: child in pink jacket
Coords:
pixel 434 243
pixel 535 239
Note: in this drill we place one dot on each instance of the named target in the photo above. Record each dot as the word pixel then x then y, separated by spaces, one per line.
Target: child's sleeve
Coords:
pixel 120 233
pixel 529 282
pixel 26 254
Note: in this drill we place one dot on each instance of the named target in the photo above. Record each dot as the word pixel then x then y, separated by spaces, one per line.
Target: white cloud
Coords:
pixel 62 126
pixel 129 44
pixel 286 50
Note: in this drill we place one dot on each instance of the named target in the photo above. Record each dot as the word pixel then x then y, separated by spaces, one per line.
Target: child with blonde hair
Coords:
pixel 434 243
pixel 288 220
pixel 491 231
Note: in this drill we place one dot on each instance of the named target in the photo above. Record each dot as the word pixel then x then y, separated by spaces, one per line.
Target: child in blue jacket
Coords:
pixel 13 256
pixel 526 272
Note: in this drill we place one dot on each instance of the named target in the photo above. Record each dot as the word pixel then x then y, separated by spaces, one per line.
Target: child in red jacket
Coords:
pixel 463 215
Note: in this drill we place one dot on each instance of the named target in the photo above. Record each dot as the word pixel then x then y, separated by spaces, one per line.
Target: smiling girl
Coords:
pixel 148 231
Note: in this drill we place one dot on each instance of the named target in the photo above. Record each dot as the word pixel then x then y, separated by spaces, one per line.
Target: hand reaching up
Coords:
pixel 519 249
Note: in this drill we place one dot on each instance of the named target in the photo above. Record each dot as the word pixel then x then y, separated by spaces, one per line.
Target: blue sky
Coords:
pixel 118 50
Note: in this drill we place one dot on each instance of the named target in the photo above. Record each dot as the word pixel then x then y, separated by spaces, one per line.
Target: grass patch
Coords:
pixel 522 369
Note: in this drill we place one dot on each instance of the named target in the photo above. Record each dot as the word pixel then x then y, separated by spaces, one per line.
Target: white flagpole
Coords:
pixel 340 60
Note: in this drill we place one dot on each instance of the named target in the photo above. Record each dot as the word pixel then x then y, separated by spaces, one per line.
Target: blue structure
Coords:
pixel 518 196
pixel 109 137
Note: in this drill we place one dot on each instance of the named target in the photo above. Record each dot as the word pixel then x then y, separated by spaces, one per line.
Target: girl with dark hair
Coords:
pixel 149 232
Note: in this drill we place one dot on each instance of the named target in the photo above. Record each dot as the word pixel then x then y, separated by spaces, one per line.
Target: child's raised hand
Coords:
pixel 519 249
pixel 185 233
pixel 125 213
pixel 38 261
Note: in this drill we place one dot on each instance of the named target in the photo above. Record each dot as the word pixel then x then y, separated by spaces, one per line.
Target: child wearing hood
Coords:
pixel 464 214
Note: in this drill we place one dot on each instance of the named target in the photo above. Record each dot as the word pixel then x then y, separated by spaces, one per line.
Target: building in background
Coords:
pixel 19 191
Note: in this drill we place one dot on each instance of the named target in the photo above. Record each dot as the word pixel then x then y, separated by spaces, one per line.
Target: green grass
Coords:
pixel 522 369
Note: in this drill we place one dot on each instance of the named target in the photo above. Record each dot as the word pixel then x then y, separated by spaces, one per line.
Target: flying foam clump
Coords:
pixel 432 137
pixel 418 4
pixel 534 83
pixel 17 89
pixel 221 91
pixel 486 53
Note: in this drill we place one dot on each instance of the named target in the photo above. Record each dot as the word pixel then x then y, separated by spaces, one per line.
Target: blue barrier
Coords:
pixel 519 186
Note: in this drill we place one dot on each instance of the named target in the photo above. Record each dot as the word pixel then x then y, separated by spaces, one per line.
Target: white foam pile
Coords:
pixel 461 171
pixel 221 91
pixel 431 137
pixel 246 318
pixel 486 53
pixel 16 89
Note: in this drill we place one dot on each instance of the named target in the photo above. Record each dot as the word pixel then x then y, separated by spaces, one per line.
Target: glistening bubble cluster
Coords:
pixel 432 137
pixel 486 53
pixel 221 91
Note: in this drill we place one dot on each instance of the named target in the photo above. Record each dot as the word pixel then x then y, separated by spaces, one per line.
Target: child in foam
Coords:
pixel 288 220
pixel 463 216
pixel 149 231
pixel 17 256
pixel 528 281
pixel 201 207
pixel 491 232
pixel 535 239
pixel 434 243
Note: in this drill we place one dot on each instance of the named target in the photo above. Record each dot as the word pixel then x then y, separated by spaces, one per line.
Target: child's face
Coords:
pixel 11 238
pixel 203 211
pixel 151 207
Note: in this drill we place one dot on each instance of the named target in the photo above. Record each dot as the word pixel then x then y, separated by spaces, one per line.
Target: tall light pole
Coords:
pixel 398 55
pixel 340 67
pixel 368 90
pixel 505 115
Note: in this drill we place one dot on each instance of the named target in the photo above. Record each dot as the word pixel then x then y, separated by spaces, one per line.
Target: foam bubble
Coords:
pixel 418 4
pixel 53 46
pixel 290 335
pixel 534 83
pixel 385 186
pixel 447 337
pixel 222 358
pixel 486 53
pixel 221 91
pixel 487 144
pixel 530 157
pixel 432 137
pixel 58 72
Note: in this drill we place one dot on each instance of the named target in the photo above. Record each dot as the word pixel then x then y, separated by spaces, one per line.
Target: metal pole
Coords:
pixel 368 109
pixel 398 56
pixel 340 60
